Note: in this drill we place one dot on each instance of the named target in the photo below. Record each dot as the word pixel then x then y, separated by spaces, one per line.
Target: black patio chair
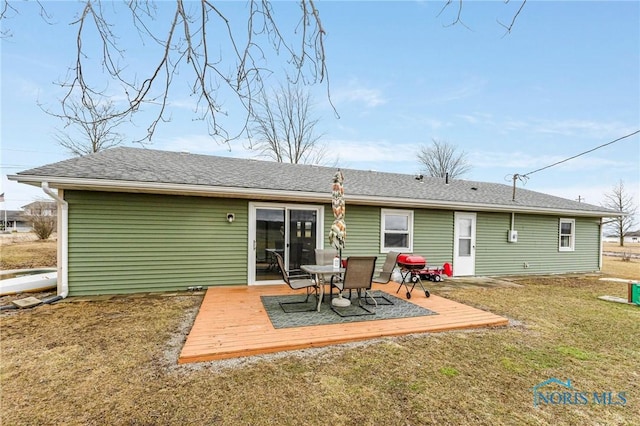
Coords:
pixel 297 281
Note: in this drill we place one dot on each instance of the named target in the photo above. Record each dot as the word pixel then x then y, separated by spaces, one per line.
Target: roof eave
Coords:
pixel 283 195
pixel 168 188
pixel 458 205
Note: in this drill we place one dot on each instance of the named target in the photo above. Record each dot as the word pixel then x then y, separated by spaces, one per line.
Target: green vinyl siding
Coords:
pixel 536 250
pixel 127 243
pixel 363 230
pixel 433 235
pixel 537 244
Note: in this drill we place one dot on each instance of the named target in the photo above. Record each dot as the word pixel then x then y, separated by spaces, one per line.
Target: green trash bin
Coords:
pixel 634 293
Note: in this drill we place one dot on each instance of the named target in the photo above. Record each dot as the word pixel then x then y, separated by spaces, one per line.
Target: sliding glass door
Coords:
pixel 292 231
pixel 268 240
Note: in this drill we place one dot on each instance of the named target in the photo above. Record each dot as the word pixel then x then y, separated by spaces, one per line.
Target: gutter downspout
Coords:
pixel 600 230
pixel 63 235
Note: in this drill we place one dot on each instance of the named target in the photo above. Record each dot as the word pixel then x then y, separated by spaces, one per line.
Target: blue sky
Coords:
pixel 567 79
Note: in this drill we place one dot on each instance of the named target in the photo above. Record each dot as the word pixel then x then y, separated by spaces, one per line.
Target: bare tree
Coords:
pixel 442 158
pixel 285 127
pixel 93 127
pixel 620 200
pixel 220 59
pixel 198 42
pixel 41 215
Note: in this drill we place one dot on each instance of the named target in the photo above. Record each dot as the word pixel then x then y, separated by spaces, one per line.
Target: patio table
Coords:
pixel 317 270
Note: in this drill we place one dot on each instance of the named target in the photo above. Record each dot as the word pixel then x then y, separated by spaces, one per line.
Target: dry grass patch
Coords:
pixel 627 248
pixel 114 362
pixel 616 267
pixel 27 254
pixel 87 362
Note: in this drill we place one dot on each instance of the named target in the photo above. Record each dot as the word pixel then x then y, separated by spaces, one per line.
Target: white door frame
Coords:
pixel 464 261
pixel 251 257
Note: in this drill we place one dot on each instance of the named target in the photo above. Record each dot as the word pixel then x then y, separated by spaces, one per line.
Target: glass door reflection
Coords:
pixel 302 237
pixel 270 239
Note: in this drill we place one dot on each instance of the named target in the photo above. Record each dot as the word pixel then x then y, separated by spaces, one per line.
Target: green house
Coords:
pixel 140 220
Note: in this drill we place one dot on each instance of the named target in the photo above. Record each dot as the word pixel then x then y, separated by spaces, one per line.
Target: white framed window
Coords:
pixel 567 235
pixel 396 233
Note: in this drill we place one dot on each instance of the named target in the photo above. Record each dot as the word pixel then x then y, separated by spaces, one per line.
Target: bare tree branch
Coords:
pixel 239 65
pixel 513 19
pixel 8 9
pixel 458 18
pixel 442 158
pixel 219 60
pixel 93 127
pixel 285 129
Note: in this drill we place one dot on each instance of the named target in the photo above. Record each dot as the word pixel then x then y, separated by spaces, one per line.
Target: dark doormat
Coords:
pixel 400 309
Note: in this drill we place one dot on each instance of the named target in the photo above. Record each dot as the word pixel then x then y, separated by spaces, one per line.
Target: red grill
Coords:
pixel 410 267
pixel 411 261
pixel 414 269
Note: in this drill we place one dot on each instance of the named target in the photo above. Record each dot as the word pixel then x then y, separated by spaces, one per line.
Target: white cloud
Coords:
pixel 355 92
pixel 472 86
pixel 185 103
pixel 590 129
pixel 572 127
pixel 514 160
pixel 379 155
pixel 29 89
pixel 369 151
pixel 431 123
pixel 469 118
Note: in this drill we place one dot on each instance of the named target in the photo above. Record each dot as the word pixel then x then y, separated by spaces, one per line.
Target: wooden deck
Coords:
pixel 233 323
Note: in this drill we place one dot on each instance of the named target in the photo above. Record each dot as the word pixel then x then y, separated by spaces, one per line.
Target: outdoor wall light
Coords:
pixel 231 217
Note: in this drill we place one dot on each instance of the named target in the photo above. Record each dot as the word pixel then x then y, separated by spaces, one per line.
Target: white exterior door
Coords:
pixel 464 244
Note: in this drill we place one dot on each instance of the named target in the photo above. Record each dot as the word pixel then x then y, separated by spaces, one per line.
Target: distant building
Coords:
pixel 41 208
pixel 17 220
pixel 631 237
pixel 13 221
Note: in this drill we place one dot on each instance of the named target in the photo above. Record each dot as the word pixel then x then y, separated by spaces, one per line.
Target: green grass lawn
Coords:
pixel 114 362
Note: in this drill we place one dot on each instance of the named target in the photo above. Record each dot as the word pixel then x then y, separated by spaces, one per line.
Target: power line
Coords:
pixel 31 151
pixel 526 175
pixel 14 166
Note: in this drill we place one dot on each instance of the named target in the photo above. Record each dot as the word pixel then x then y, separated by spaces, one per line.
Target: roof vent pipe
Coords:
pixel 446 178
pixel 63 236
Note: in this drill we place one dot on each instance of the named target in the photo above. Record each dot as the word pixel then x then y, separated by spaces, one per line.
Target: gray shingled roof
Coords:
pixel 146 166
